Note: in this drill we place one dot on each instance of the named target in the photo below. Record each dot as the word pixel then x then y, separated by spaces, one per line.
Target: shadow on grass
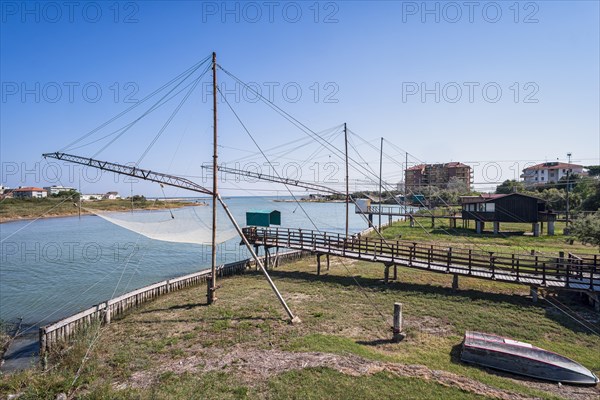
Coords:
pixel 188 306
pixel 375 342
pixel 472 233
pixel 203 319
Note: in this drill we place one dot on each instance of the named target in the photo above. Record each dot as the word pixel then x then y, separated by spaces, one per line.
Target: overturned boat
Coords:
pixel 524 359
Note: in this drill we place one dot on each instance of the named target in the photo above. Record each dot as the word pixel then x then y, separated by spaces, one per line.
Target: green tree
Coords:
pixel 593 170
pixel 587 229
pixel 510 186
pixel 591 202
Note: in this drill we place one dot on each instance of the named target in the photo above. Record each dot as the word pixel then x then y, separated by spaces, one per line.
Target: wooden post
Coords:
pixel 209 290
pixel 347 181
pixel 455 282
pixel 386 274
pixel 395 272
pixel 397 333
pixel 327 258
pixel 470 260
pixel 213 266
pixel 107 314
pixel 318 263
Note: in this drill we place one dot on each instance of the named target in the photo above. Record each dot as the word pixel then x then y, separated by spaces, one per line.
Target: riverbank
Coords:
pixel 27 209
pixel 243 347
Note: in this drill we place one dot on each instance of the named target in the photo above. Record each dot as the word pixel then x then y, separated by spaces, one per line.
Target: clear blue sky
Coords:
pixel 369 60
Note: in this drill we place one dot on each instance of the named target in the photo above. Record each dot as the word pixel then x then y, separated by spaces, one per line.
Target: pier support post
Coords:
pixel 327 260
pixel 256 247
pixel 454 282
pixel 479 226
pixel 412 221
pixel 535 227
pixel 370 220
pixel 386 274
pixel 397 333
pixel 534 294
pixel 496 227
pixel 267 257
pixel 432 221
pixel 318 263
pixel 395 272
pixel 551 228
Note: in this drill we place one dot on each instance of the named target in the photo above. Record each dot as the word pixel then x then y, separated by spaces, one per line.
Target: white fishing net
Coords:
pixel 182 225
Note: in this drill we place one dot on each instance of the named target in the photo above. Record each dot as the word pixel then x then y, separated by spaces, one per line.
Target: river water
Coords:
pixel 54 267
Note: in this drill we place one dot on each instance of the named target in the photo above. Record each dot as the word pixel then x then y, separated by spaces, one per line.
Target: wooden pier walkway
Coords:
pixel 565 272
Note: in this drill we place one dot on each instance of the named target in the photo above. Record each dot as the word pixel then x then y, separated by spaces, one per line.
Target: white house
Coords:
pixel 55 189
pixel 549 172
pixel 29 192
pixel 88 197
pixel 111 196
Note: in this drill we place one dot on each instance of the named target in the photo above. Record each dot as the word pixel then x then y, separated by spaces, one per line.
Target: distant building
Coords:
pixel 55 189
pixel 549 172
pixel 29 192
pixel 88 197
pixel 5 192
pixel 437 175
pixel 111 196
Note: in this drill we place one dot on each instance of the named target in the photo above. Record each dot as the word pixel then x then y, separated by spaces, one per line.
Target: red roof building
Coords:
pixel 550 172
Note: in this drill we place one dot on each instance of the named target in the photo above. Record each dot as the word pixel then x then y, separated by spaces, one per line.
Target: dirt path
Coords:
pixel 252 365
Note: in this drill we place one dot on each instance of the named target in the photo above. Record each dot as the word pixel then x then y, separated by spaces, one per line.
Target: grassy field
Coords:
pixel 242 346
pixel 15 209
pixel 513 237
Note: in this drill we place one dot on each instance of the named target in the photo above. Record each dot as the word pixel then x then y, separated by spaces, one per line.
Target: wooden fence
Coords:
pixel 568 272
pixel 67 328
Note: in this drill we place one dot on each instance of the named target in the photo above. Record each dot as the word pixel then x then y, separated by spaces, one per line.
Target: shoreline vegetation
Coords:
pixel 12 210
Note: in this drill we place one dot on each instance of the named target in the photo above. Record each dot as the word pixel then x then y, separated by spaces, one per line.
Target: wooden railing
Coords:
pixel 67 328
pixel 570 272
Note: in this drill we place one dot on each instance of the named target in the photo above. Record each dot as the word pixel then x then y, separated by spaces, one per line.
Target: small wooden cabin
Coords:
pixel 513 207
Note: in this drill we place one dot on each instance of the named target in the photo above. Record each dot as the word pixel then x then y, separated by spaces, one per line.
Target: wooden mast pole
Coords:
pixel 347 183
pixel 380 172
pixel 405 191
pixel 213 266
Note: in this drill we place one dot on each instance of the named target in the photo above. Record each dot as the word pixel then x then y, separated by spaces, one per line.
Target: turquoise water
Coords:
pixel 54 267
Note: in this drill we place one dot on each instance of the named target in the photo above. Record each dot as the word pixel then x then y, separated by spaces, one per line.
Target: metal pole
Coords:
pixel 380 172
pixel 405 192
pixel 80 196
pixel 293 318
pixel 213 265
pixel 568 177
pixel 347 188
